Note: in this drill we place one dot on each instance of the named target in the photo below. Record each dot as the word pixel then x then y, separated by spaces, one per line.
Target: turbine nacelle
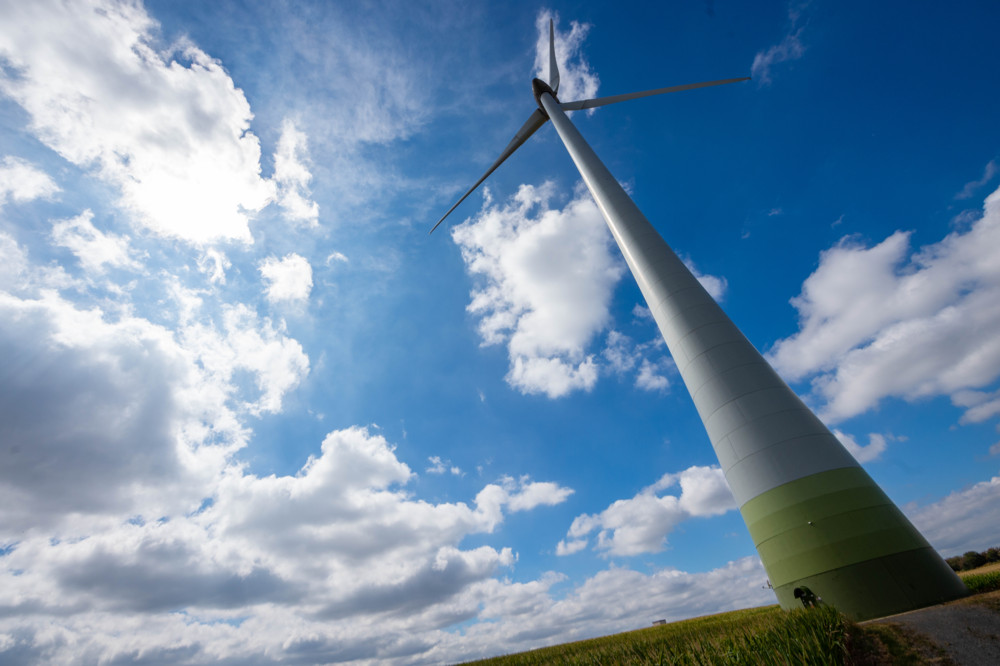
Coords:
pixel 538 87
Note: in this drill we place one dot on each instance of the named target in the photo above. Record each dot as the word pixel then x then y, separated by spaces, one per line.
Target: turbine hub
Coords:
pixel 537 88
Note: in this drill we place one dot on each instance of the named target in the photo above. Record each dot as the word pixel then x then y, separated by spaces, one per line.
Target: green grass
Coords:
pixel 981 582
pixel 755 636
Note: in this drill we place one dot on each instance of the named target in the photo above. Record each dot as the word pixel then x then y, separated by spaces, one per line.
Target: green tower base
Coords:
pixel 837 537
pixel 884 586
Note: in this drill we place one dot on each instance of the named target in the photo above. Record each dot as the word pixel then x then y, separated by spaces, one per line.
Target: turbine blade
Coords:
pixel 536 120
pixel 614 99
pixel 553 66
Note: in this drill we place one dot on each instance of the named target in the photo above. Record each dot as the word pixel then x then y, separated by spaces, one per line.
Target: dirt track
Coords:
pixel 967 630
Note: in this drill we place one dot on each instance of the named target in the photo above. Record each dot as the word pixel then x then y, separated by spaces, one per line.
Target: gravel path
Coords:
pixel 967 630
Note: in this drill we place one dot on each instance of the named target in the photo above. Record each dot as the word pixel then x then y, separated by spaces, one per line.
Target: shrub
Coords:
pixel 973 559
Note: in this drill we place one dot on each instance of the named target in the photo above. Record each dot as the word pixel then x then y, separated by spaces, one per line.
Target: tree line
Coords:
pixel 973 559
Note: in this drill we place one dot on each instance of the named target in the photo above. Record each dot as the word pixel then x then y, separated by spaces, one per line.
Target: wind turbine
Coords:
pixel 822 527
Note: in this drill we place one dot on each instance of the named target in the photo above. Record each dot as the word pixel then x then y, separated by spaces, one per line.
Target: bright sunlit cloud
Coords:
pixel 92 247
pixel 288 279
pixel 546 278
pixel 167 127
pixel 291 173
pixel 886 321
pixel 21 181
pixel 641 524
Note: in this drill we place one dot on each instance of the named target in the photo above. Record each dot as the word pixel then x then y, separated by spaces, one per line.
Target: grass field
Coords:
pixel 986 568
pixel 765 635
pixel 982 579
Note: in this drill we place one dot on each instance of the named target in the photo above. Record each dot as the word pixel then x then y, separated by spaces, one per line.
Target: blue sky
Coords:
pixel 252 412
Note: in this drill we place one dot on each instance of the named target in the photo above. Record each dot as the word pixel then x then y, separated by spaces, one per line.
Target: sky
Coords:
pixel 251 412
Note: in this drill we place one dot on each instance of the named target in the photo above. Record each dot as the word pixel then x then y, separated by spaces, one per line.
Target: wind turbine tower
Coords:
pixel 822 527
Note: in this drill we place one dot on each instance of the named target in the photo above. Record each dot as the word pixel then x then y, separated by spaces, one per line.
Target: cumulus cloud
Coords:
pixel 108 414
pixel 545 280
pixel 964 520
pixel 872 451
pixel 576 79
pixel 568 547
pixel 641 524
pixel 289 278
pixel 292 176
pixel 885 321
pixel 525 494
pixel 245 343
pixel 94 248
pixel 788 49
pixel 168 127
pixel 341 539
pixel 21 182
pixel 103 420
pixel 650 379
pixel 514 616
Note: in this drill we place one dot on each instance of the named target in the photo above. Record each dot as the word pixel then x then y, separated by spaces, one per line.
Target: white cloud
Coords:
pixel 876 446
pixel 641 312
pixel 620 352
pixel 641 524
pixel 964 520
pixel 526 494
pixel 546 277
pixel 788 49
pixel 18 276
pixel 168 128
pixel 970 188
pixel 439 466
pixel 292 176
pixel 276 362
pixel 21 182
pixel 884 321
pixel 571 546
pixel 215 264
pixel 13 263
pixel 245 613
pixel 576 80
pixel 554 377
pixel 93 247
pixel 649 379
pixel 289 278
